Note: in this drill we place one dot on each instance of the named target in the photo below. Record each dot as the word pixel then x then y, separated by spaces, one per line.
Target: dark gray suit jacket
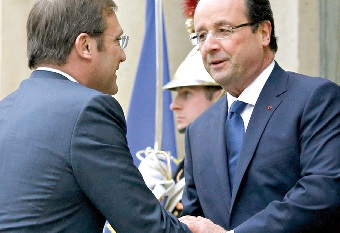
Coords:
pixel 288 173
pixel 65 165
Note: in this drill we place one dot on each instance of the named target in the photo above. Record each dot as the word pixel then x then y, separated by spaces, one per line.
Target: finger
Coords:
pixel 188 217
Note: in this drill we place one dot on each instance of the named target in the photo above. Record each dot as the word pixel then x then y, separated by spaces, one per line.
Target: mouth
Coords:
pixel 217 64
pixel 179 119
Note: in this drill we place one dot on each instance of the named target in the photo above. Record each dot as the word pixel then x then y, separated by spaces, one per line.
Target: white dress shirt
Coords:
pixel 250 96
pixel 59 72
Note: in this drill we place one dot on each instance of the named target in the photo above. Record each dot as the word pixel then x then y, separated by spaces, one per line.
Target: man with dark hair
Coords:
pixel 64 163
pixel 195 91
pixel 266 157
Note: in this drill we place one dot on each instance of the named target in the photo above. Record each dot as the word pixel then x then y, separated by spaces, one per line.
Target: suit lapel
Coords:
pixel 218 159
pixel 266 104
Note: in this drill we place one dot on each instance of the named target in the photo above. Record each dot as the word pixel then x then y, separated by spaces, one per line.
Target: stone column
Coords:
pixel 13 61
pixel 330 39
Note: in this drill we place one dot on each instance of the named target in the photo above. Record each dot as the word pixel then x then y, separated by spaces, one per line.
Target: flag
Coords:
pixel 141 115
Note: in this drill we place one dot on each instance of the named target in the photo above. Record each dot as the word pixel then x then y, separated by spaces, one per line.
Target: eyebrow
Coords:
pixel 117 33
pixel 217 24
pixel 222 22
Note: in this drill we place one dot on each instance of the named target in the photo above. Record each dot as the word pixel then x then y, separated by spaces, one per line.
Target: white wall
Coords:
pixel 132 16
pixel 13 62
pixel 297 28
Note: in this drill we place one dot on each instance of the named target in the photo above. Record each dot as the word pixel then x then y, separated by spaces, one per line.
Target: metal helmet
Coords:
pixel 191 72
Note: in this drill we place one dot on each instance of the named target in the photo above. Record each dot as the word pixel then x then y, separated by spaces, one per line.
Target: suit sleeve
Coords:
pixel 104 169
pixel 313 204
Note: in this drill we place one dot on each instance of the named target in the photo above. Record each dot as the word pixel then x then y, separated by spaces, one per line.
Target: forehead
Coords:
pixel 190 88
pixel 212 13
pixel 113 25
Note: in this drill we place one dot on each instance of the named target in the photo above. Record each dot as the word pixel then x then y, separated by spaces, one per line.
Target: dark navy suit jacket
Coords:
pixel 288 173
pixel 65 165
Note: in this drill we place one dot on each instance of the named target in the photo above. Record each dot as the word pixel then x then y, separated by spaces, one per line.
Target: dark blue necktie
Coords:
pixel 234 136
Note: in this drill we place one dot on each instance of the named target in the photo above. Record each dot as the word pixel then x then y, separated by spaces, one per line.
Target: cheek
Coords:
pixel 203 52
pixel 254 55
pixel 252 45
pixel 199 106
pixel 118 55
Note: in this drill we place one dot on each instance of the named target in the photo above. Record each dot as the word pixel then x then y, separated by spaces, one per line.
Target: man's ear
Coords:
pixel 84 45
pixel 266 30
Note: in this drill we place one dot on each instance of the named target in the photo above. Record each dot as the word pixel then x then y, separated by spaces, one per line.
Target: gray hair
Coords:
pixel 53 26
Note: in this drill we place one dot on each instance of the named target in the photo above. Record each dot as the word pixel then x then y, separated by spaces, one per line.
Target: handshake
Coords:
pixel 156 170
pixel 201 225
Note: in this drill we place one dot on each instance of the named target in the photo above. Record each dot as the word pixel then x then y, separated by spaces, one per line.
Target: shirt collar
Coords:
pixel 59 72
pixel 252 92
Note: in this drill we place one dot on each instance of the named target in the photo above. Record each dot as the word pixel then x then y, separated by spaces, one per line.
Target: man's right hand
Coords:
pixel 201 225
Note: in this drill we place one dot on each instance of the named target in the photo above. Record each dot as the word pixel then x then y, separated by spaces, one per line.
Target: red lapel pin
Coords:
pixel 269 107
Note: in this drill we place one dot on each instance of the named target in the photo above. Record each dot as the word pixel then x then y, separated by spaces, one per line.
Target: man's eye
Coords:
pixel 224 31
pixel 202 35
pixel 186 94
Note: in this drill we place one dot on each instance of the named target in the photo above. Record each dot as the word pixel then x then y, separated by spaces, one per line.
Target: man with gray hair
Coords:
pixel 266 157
pixel 65 165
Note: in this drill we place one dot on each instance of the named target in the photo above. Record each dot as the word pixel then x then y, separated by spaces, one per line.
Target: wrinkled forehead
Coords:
pixel 213 13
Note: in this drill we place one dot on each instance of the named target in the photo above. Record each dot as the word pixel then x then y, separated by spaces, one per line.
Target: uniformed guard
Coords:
pixel 195 92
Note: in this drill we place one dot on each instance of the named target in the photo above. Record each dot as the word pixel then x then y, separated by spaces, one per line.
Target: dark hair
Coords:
pixel 53 26
pixel 259 11
pixel 210 90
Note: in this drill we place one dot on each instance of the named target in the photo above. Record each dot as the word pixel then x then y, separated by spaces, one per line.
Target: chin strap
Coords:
pixel 182 130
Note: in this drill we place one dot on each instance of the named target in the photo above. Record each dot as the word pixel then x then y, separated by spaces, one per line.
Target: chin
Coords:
pixel 218 77
pixel 113 91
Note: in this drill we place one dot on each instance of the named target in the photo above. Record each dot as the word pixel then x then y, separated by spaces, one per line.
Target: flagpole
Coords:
pixel 159 74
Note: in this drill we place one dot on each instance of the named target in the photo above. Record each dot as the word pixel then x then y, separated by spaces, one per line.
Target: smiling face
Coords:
pixel 108 59
pixel 236 61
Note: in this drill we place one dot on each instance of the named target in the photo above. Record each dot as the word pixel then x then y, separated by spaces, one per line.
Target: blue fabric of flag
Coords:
pixel 141 119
